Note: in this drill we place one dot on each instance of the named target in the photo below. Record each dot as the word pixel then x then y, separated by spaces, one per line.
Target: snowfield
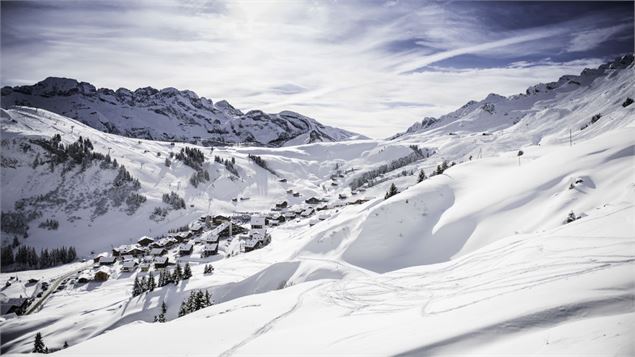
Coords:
pixel 478 260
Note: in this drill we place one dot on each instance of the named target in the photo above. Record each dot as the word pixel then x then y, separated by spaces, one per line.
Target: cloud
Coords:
pixel 359 65
pixel 588 40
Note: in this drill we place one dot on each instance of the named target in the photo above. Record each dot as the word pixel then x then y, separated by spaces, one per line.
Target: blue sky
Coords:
pixel 373 67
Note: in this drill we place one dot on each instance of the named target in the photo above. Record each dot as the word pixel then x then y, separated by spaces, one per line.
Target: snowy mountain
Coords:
pixel 169 114
pixel 519 240
pixel 497 112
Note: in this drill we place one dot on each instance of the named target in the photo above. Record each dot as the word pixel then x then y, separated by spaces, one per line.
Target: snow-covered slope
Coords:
pixel 477 260
pixel 169 114
pixel 569 103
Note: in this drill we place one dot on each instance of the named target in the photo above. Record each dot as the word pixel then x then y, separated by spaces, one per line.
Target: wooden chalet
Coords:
pixel 145 241
pixel 186 249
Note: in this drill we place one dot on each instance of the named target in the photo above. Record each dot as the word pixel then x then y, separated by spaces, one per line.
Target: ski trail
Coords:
pixel 269 325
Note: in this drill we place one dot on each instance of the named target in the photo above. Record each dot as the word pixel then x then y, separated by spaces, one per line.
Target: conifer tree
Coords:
pixel 422 176
pixel 38 344
pixel 65 344
pixel 151 283
pixel 136 288
pixel 391 191
pixel 187 272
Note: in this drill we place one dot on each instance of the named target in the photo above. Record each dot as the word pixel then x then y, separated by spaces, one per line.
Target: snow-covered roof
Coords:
pixel 257 221
pixel 129 264
pixel 212 246
pixel 108 259
pixel 161 260
pixel 157 251
pixel 186 246
pixel 145 238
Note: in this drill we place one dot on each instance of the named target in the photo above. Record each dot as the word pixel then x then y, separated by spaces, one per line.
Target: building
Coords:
pixel 313 201
pixel 186 249
pixel 145 266
pixel 106 261
pixel 129 266
pixel 210 249
pixel 342 196
pixel 145 241
pixel 161 262
pixel 258 236
pixel 102 274
pixel 158 251
pixel 16 306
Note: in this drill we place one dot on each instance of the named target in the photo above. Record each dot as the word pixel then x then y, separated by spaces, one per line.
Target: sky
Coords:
pixel 372 67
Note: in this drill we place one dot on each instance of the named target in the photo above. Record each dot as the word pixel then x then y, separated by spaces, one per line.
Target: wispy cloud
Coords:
pixel 360 65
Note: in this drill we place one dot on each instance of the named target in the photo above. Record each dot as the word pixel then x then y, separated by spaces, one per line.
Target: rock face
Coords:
pixel 496 111
pixel 169 114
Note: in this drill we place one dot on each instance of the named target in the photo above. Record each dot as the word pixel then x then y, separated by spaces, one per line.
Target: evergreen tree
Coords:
pixel 187 272
pixel 164 310
pixel 151 283
pixel 422 176
pixel 137 289
pixel 391 191
pixel 38 344
pixel 65 344
pixel 178 274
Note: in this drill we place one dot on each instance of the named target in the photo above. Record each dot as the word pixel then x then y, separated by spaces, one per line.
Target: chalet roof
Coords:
pixel 161 260
pixel 127 257
pixel 187 246
pixel 210 247
pixel 258 220
pixel 155 251
pixel 145 238
pixel 129 264
pixel 107 259
pixel 103 270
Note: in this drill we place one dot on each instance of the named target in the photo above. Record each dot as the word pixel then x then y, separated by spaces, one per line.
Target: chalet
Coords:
pixel 196 228
pixel 184 236
pixel 129 266
pixel 306 213
pixel 16 306
pixel 106 261
pixel 164 243
pixel 117 251
pixel 282 205
pixel 210 249
pixel 290 191
pixel 127 257
pixel 84 278
pixel 353 193
pixel 186 249
pixel 210 238
pixel 359 201
pixel 313 222
pixel 313 201
pixel 158 251
pixel 333 183
pixel 322 208
pixel 134 251
pixel 145 241
pixel 96 259
pixel 218 219
pixel 102 274
pixel 33 281
pixel 283 180
pixel 144 266
pixel 161 262
pixel 289 215
pixel 235 199
pixel 296 194
pixel 342 196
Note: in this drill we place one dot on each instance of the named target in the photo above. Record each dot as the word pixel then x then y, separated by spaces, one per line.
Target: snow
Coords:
pixel 475 261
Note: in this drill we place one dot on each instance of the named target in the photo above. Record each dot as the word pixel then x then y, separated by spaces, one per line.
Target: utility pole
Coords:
pixel 570 138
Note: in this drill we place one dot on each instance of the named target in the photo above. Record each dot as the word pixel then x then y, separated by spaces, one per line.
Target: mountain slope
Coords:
pixel 169 114
pixel 611 83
